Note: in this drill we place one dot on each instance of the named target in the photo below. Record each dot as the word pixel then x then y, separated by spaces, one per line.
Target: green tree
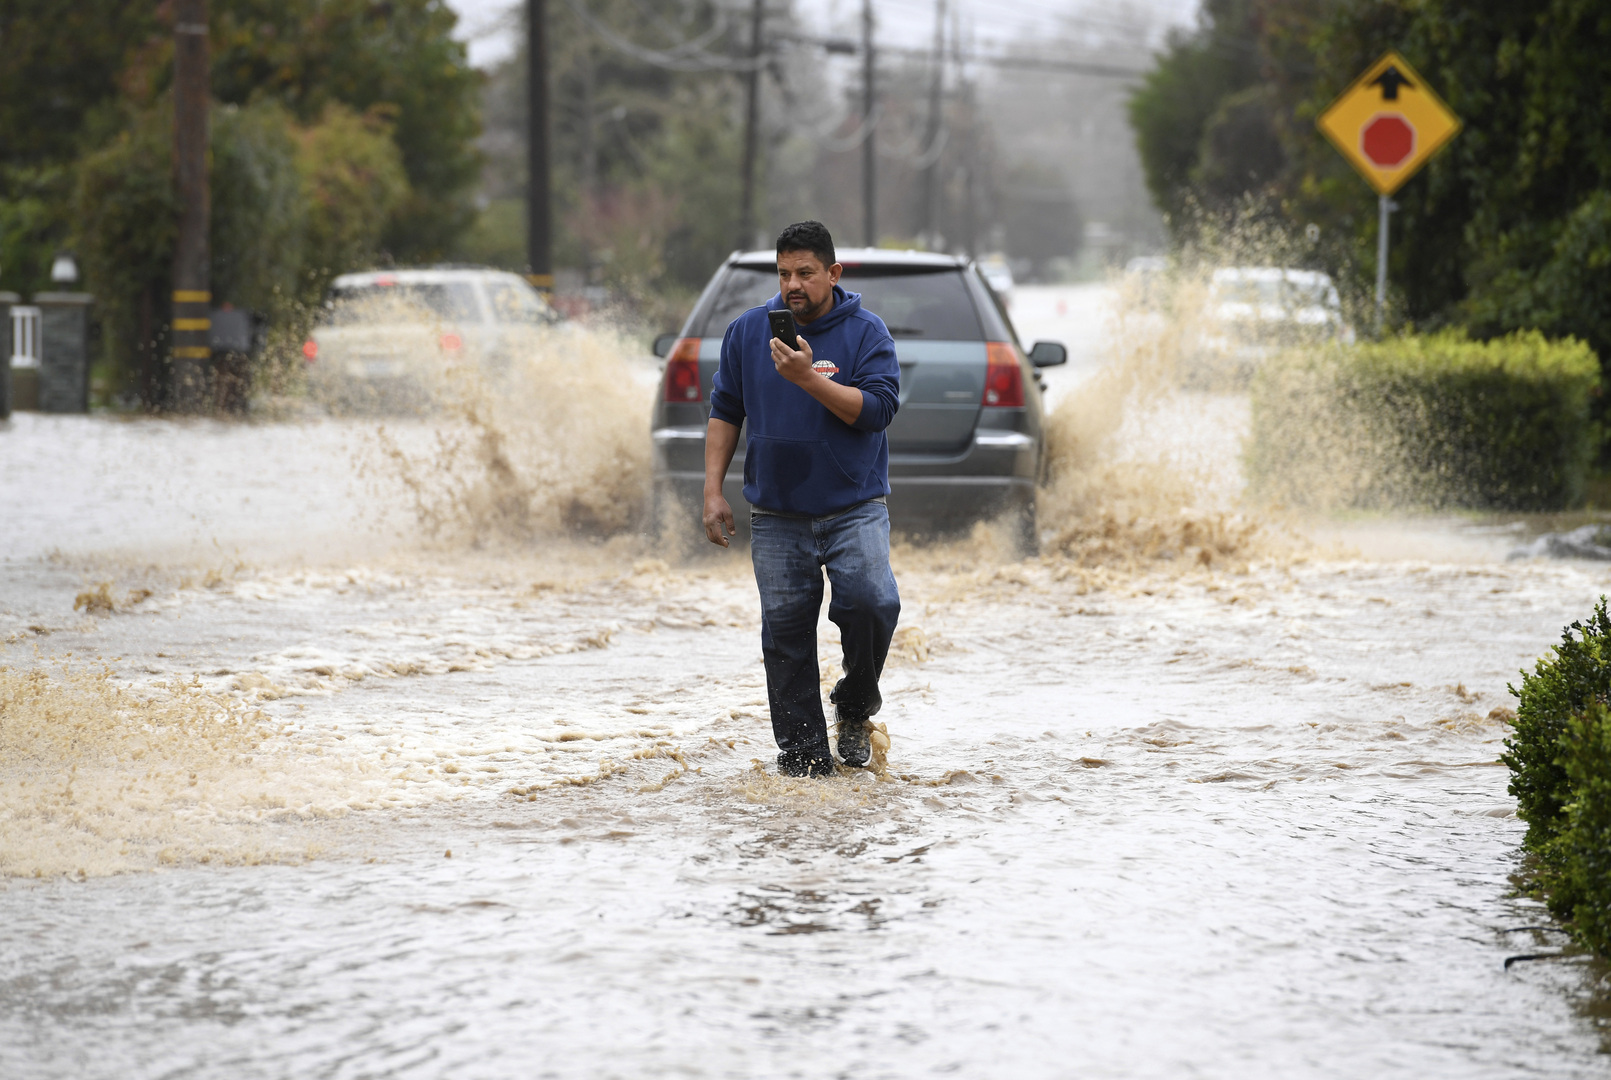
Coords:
pixel 63 63
pixel 259 215
pixel 645 159
pixel 396 58
pixel 1176 104
pixel 77 72
pixel 352 182
pixel 1507 228
pixel 125 216
pixel 290 206
pixel 33 224
pixel 697 157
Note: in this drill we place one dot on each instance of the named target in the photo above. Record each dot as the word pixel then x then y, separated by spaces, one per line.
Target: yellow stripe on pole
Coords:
pixel 191 352
pixel 192 324
pixel 191 296
pixel 541 281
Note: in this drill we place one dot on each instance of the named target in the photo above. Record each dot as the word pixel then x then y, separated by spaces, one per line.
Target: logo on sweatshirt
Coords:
pixel 826 368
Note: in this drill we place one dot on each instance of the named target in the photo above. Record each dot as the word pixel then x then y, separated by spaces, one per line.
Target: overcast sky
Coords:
pixel 490 29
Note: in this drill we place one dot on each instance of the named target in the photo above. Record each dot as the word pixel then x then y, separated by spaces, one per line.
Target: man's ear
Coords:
pixel 833 273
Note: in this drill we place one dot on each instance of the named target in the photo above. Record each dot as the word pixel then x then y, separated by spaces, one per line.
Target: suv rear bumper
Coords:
pixel 996 473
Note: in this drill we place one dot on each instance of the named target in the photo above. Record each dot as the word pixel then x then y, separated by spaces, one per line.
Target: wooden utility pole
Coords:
pixel 931 172
pixel 869 175
pixel 192 288
pixel 752 123
pixel 969 148
pixel 539 223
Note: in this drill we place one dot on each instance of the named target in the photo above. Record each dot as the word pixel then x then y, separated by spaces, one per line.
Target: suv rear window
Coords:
pixel 410 302
pixel 932 305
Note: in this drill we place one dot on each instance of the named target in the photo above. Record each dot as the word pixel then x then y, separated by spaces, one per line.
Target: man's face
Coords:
pixel 806 285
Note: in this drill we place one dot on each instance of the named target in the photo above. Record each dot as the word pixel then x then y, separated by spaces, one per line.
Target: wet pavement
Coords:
pixel 511 810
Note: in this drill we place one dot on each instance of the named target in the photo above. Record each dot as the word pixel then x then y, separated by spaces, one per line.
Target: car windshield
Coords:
pixel 403 302
pixel 513 303
pixel 913 302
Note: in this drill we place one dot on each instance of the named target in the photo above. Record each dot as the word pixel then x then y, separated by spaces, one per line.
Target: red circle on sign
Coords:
pixel 1387 139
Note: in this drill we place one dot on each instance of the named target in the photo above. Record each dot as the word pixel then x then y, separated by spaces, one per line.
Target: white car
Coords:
pixel 1252 312
pixel 384 336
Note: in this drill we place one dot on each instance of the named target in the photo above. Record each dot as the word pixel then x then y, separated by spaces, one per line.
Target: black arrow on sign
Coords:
pixel 1390 80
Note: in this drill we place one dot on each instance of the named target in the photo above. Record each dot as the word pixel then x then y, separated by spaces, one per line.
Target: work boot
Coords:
pixel 855 739
pixel 818 763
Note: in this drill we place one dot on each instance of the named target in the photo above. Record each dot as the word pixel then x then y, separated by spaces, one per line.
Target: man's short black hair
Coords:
pixel 809 236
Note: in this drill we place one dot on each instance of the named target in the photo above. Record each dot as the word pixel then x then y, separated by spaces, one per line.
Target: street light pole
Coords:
pixel 752 120
pixel 539 223
pixel 869 176
pixel 192 286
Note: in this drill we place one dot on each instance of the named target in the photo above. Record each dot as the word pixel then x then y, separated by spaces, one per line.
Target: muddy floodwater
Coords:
pixel 295 790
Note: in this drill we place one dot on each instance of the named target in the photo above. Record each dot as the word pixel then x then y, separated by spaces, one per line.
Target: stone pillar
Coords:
pixel 6 300
pixel 63 352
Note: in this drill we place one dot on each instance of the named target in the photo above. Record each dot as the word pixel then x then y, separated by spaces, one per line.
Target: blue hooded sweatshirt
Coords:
pixel 800 458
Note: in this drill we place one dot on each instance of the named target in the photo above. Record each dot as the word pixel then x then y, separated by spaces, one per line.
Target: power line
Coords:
pixel 689 55
pixel 1034 63
pixel 1031 63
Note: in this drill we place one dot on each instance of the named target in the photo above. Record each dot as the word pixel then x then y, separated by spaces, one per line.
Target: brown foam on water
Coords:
pixel 556 444
pixel 1130 483
pixel 846 788
pixel 98 778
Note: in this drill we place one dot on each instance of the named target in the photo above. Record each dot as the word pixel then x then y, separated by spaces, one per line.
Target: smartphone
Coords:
pixel 783 327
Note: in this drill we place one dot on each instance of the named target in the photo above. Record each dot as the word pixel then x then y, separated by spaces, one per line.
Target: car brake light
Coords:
pixel 451 342
pixel 310 349
pixel 682 371
pixel 1004 377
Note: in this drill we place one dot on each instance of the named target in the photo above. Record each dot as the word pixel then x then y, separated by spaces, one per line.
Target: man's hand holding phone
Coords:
pixel 793 364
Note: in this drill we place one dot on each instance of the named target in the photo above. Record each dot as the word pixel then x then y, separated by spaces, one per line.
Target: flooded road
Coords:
pixel 509 810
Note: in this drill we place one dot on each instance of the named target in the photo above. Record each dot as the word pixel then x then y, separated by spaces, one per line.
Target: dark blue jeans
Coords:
pixel 790 554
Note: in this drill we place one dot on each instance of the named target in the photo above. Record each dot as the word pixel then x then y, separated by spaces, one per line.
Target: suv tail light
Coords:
pixel 1004 376
pixel 682 372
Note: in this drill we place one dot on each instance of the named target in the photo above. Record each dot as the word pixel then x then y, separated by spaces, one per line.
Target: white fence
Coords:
pixel 24 336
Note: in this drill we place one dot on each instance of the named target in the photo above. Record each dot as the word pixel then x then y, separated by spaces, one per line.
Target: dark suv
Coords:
pixel 967 441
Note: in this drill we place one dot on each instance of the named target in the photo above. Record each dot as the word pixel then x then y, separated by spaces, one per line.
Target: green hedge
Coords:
pixel 1560 760
pixel 1434 421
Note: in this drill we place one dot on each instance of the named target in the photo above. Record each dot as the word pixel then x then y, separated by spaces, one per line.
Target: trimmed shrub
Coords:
pixel 1559 755
pixel 1564 684
pixel 1436 421
pixel 353 182
pixel 1579 859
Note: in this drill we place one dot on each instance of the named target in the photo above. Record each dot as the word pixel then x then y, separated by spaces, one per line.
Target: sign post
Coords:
pixel 1388 124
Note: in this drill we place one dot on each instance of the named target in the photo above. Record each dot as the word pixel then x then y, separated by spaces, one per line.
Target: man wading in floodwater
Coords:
pixel 816 471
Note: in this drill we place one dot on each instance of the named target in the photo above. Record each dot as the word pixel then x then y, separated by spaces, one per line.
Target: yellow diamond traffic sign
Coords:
pixel 1389 123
